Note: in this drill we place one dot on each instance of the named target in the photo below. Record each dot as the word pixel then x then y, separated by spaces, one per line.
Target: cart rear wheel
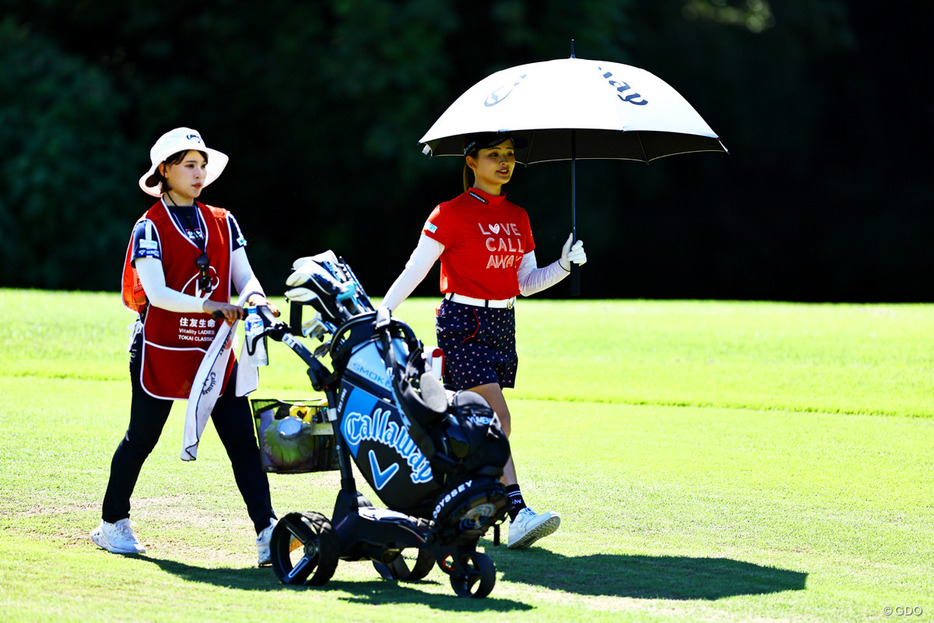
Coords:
pixel 403 566
pixel 304 549
pixel 476 577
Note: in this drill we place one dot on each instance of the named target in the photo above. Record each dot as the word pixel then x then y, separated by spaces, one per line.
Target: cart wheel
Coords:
pixel 304 549
pixel 476 577
pixel 405 568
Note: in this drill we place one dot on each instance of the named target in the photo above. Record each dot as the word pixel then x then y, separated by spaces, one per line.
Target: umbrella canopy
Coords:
pixel 576 108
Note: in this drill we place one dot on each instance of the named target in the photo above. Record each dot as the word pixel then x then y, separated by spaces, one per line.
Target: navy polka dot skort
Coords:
pixel 479 345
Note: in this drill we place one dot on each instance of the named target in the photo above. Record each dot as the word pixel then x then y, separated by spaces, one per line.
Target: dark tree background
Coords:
pixel 826 106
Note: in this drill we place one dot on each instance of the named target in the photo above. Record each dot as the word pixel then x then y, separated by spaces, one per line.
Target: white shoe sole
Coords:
pixel 536 533
pixel 103 543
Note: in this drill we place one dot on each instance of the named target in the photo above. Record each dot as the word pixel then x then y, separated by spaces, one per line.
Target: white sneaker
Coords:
pixel 529 527
pixel 262 544
pixel 118 537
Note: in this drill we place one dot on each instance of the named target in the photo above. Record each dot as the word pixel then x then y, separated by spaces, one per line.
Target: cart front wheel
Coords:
pixel 304 549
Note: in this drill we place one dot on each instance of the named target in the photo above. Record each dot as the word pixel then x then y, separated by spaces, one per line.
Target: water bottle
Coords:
pixel 255 340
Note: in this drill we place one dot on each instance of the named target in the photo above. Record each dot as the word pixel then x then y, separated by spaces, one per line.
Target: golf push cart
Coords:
pixel 433 457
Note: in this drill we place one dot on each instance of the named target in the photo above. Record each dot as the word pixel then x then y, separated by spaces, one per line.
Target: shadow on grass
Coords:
pixel 638 577
pixel 401 593
pixel 376 591
pixel 251 578
pixel 643 577
pixel 611 575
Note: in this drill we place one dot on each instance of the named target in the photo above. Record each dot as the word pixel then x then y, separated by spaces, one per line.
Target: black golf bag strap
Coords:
pixel 427 405
pixel 416 431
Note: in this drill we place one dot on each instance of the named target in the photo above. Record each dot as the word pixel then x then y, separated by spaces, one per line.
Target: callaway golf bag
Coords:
pixel 433 457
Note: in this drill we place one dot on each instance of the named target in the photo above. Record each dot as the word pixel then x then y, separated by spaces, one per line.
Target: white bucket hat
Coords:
pixel 174 141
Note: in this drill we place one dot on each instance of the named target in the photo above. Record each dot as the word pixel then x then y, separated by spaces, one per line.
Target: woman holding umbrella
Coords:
pixel 487 255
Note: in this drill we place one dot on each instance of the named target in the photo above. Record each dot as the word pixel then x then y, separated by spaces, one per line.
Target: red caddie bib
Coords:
pixel 174 343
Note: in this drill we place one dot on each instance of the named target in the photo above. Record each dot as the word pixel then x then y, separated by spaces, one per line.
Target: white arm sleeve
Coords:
pixel 533 279
pixel 426 253
pixel 241 274
pixel 152 277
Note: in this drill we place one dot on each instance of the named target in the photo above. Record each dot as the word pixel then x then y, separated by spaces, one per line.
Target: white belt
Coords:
pixel 469 300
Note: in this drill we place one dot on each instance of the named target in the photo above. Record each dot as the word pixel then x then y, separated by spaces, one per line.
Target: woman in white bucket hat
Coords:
pixel 181 262
pixel 176 143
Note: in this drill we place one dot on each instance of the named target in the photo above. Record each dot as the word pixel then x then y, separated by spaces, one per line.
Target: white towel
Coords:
pixel 206 387
pixel 247 374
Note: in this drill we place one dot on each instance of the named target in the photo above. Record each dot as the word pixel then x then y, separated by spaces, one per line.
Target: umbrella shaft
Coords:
pixel 574 184
pixel 575 269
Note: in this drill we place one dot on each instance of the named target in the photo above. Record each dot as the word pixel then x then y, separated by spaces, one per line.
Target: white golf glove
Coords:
pixel 573 254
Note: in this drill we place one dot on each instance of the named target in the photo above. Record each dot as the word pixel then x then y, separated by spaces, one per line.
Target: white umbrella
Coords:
pixel 573 108
pixel 610 110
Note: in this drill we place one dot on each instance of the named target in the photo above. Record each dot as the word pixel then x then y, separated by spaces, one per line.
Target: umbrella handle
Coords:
pixel 575 280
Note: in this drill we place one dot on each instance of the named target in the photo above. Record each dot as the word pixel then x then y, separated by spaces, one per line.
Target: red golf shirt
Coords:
pixel 484 238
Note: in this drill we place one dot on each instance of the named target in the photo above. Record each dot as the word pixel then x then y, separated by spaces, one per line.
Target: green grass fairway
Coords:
pixel 711 461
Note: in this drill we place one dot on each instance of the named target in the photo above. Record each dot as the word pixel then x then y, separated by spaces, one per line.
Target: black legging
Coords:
pixel 233 422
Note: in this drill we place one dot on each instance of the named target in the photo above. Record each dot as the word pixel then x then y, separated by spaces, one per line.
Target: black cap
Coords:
pixel 487 140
